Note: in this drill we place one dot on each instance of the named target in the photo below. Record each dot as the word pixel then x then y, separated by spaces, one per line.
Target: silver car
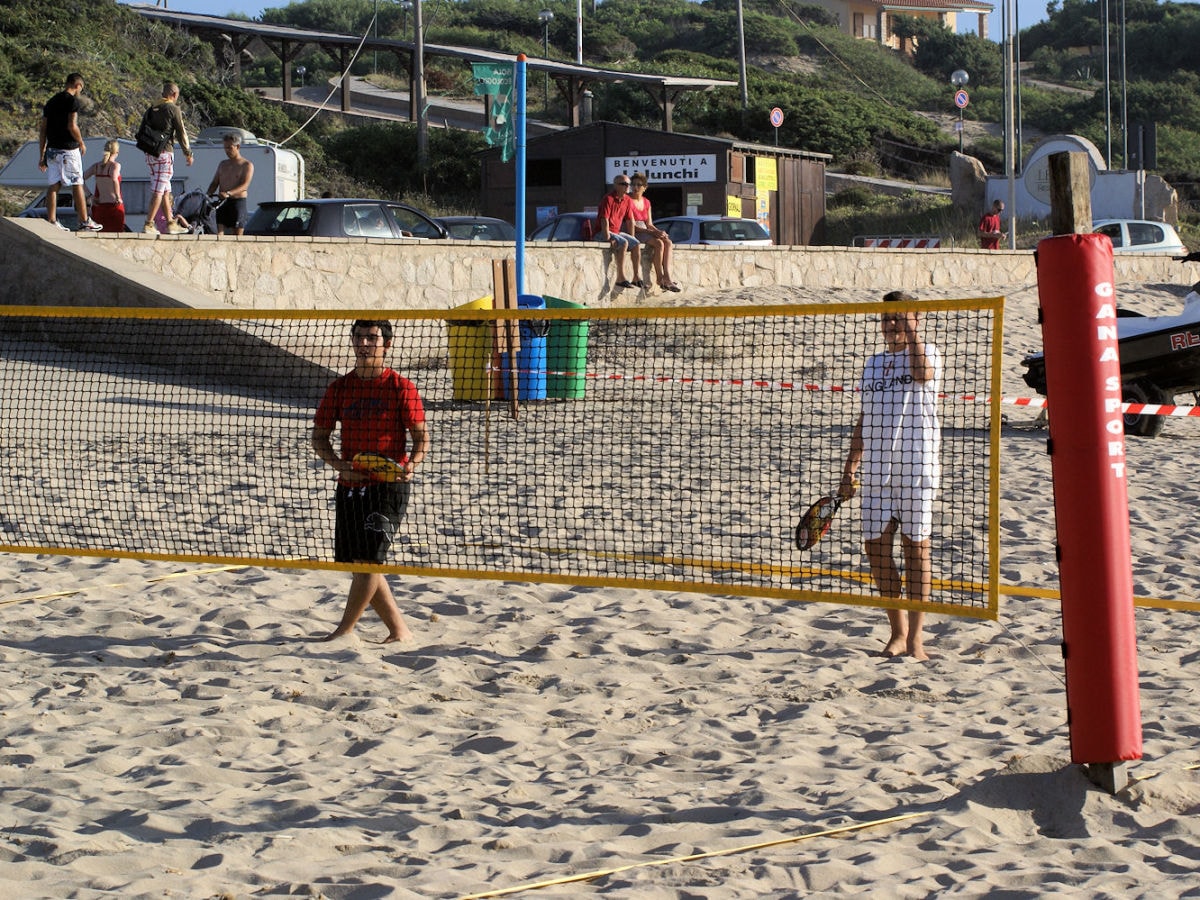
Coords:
pixel 1140 236
pixel 723 231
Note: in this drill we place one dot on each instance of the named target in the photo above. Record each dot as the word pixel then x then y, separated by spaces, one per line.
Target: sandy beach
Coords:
pixel 171 730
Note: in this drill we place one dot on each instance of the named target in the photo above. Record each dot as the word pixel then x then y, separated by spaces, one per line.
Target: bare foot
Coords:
pixel 334 635
pixel 402 636
pixel 895 647
pixel 917 651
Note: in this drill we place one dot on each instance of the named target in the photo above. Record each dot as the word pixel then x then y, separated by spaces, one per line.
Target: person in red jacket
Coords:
pixel 614 226
pixel 989 227
pixel 379 411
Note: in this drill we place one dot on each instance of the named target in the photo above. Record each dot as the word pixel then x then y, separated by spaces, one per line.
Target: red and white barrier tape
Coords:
pixel 1142 409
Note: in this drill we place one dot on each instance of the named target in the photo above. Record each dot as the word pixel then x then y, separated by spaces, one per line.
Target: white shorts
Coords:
pixel 910 507
pixel 64 167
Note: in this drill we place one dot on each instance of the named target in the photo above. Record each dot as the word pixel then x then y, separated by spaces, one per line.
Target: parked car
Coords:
pixel 341 217
pixel 718 230
pixel 573 226
pixel 477 228
pixel 65 213
pixel 1140 236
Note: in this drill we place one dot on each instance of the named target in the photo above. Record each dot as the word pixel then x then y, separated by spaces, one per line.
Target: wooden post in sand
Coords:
pixel 507 334
pixel 1091 502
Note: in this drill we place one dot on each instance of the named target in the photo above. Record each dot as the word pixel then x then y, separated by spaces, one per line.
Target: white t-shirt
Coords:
pixel 902 438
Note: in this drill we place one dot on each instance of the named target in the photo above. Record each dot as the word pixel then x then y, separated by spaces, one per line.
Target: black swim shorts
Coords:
pixel 368 517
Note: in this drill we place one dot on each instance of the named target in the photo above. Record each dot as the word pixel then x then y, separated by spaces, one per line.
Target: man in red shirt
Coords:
pixel 379 410
pixel 614 226
pixel 989 227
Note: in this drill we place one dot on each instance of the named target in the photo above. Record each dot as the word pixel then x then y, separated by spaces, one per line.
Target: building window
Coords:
pixel 543 173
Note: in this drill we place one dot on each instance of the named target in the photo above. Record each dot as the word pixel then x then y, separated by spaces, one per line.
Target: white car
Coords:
pixel 1140 236
pixel 719 230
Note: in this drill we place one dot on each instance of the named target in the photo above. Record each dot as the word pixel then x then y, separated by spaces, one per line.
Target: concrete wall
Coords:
pixel 39 265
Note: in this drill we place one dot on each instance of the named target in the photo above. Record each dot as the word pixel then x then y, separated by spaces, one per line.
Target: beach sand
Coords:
pixel 170 730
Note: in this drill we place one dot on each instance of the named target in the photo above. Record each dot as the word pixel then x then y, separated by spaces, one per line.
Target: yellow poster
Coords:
pixel 733 206
pixel 766 176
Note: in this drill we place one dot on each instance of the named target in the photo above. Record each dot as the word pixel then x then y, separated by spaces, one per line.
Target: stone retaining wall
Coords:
pixel 327 273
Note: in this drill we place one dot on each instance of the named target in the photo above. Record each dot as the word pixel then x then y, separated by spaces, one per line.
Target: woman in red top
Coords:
pixel 108 207
pixel 655 238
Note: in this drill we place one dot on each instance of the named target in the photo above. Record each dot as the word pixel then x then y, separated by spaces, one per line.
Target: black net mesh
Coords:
pixel 661 448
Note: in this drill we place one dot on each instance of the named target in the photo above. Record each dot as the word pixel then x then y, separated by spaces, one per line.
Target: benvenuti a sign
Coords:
pixel 667 168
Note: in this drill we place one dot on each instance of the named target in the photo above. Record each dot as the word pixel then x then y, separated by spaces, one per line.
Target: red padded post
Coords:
pixel 1091 503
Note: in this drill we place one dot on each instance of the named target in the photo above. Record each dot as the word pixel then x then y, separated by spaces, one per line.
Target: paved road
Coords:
pixel 369 100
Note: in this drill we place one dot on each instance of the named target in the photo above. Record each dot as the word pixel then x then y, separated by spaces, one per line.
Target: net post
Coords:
pixel 1083 383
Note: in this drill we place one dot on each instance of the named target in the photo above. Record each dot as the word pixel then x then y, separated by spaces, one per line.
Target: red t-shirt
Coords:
pixel 989 222
pixel 615 210
pixel 375 413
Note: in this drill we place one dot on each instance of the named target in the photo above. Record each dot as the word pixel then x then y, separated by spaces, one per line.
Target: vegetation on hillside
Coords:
pixel 870 107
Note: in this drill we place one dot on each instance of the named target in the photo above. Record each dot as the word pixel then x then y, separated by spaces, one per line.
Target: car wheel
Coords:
pixel 1143 425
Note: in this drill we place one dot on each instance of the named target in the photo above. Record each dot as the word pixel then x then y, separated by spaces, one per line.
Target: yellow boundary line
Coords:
pixel 762 845
pixel 995 304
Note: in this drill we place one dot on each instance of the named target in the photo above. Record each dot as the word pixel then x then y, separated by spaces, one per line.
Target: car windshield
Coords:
pixel 282 220
pixel 479 231
pixel 411 222
pixel 732 230
pixel 679 232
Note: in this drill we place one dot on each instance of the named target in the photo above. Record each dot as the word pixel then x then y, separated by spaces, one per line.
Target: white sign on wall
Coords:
pixel 668 168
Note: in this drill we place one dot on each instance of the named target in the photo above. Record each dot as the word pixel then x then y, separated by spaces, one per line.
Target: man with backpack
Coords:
pixel 161 126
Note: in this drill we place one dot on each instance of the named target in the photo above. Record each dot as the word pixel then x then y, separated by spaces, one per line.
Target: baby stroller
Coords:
pixel 200 210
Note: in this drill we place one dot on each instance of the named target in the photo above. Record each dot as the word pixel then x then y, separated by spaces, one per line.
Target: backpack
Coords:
pixel 154 134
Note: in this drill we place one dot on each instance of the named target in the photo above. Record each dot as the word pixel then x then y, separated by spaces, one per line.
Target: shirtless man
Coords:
pixel 231 184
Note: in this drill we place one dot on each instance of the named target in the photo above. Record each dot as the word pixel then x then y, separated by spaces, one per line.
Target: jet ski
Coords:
pixel 1160 358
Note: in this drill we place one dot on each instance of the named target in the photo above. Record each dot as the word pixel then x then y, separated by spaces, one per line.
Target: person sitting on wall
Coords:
pixel 614 226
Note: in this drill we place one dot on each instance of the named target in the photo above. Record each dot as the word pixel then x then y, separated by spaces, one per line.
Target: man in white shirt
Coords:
pixel 894 453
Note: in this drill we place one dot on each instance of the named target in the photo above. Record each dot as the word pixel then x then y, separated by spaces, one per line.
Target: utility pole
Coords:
pixel 741 27
pixel 418 89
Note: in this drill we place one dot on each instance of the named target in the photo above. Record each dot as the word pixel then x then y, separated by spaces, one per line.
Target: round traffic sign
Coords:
pixel 776 116
pixel 961 99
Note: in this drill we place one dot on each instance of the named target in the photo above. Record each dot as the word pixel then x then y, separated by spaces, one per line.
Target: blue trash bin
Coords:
pixel 531 357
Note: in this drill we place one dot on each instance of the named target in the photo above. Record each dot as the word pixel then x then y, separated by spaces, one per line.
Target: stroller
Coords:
pixel 200 210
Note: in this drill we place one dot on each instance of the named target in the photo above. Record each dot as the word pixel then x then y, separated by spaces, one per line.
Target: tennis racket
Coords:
pixel 378 466
pixel 815 522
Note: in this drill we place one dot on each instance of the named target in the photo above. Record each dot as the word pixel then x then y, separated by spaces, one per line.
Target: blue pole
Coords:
pixel 519 215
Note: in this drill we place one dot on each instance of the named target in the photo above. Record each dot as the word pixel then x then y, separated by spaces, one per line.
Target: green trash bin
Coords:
pixel 566 353
pixel 474 370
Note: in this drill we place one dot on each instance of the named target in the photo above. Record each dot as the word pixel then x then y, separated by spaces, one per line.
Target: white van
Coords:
pixel 278 173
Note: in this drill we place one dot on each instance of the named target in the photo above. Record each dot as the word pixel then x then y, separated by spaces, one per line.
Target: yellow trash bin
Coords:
pixel 473 366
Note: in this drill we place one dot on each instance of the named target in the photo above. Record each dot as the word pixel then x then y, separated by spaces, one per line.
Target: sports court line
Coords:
pixel 602 873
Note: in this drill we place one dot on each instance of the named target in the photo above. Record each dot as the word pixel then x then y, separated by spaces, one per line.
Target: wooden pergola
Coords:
pixel 288 43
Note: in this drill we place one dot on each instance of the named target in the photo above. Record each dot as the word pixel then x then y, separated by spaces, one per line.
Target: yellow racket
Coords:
pixel 378 466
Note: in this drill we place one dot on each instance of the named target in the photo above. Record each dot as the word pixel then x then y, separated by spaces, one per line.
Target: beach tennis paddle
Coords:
pixel 378 466
pixel 816 520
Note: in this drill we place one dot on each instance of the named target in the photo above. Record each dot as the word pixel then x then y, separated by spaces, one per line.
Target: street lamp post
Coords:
pixel 545 17
pixel 959 78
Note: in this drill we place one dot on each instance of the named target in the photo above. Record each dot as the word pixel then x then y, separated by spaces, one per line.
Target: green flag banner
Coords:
pixel 495 80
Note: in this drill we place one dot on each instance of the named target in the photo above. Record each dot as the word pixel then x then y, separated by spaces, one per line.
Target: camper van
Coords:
pixel 278 173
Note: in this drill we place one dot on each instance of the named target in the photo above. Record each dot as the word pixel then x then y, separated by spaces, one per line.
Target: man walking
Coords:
pixel 60 152
pixel 167 116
